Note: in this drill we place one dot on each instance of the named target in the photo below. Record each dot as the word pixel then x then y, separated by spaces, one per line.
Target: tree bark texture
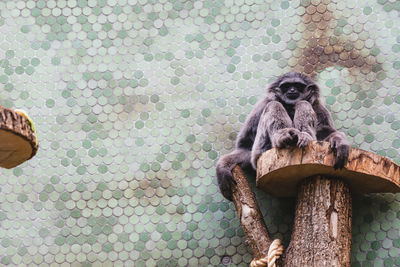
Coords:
pixel 280 170
pixel 251 219
pixel 322 226
pixel 18 141
pixel 322 229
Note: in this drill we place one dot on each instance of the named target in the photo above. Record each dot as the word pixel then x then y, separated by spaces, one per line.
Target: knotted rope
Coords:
pixel 274 252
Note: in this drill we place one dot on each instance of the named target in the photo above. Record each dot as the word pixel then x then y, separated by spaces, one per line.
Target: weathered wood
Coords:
pixel 322 229
pixel 280 170
pixel 251 219
pixel 18 141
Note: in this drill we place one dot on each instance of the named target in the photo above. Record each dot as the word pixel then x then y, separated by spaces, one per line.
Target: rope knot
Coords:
pixel 274 252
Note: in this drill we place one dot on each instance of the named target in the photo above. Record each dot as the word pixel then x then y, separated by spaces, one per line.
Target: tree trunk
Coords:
pixel 322 227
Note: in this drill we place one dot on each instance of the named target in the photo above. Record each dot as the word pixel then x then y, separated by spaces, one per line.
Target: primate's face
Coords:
pixel 292 90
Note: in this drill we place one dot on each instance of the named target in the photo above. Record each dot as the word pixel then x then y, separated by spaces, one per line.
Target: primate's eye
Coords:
pixel 284 87
pixel 300 86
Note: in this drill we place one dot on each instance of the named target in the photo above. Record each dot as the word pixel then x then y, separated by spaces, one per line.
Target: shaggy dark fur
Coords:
pixel 291 113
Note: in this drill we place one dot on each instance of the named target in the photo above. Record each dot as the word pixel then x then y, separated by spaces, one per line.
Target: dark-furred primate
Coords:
pixel 290 114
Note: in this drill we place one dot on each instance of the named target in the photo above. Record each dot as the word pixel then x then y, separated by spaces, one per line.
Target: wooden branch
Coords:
pixel 251 219
pixel 280 170
pixel 18 141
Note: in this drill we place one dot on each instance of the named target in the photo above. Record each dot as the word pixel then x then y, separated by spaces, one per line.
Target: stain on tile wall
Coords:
pixel 135 100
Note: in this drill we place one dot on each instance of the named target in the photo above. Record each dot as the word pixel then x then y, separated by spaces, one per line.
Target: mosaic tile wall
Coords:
pixel 135 100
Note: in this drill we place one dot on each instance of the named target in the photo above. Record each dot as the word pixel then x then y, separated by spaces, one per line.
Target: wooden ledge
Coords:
pixel 18 141
pixel 280 170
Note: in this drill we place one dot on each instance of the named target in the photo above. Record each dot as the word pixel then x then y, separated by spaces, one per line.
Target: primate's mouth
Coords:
pixel 292 96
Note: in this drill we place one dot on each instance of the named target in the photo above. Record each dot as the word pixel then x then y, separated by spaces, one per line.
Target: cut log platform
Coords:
pixel 280 170
pixel 18 141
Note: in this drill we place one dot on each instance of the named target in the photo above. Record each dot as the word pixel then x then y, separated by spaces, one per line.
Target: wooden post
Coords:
pixel 322 228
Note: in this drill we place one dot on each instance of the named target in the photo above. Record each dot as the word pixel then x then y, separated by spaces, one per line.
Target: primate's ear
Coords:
pixel 312 88
pixel 312 93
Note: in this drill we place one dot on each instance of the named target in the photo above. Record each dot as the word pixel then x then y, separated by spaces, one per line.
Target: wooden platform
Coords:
pixel 280 170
